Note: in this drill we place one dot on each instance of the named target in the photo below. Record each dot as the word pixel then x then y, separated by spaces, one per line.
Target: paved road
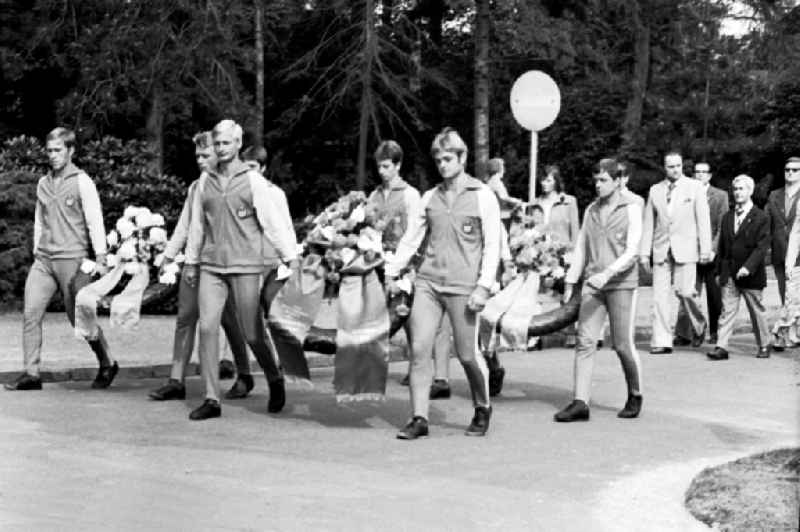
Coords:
pixel 77 459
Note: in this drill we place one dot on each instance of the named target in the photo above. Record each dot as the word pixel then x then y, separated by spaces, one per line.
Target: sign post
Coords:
pixel 535 103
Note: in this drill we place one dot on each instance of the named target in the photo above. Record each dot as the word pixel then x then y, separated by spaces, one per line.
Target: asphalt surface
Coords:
pixel 80 459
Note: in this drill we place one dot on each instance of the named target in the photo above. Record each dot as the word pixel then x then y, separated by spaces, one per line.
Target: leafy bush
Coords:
pixel 122 172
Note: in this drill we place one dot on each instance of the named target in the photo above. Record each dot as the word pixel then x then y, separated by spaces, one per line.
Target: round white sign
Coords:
pixel 535 100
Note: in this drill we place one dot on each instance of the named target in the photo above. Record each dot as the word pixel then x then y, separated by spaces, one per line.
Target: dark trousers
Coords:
pixel 706 276
pixel 780 275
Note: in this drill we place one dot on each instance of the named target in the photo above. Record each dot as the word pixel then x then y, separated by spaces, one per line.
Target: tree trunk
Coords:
pixel 155 127
pixel 481 148
pixel 366 94
pixel 631 125
pixel 258 141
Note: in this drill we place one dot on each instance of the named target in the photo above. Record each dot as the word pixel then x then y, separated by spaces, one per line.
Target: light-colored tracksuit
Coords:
pixel 461 230
pixel 189 311
pixel 238 223
pixel 68 220
pixel 607 244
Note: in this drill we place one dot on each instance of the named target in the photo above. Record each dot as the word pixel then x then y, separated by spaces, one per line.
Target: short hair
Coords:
pixel 496 165
pixel 203 140
pixel 257 154
pixel 746 179
pixel 389 149
pixel 623 167
pixel 608 165
pixel 702 162
pixel 448 139
pixel 673 153
pixel 555 171
pixel 793 160
pixel 228 125
pixel 67 136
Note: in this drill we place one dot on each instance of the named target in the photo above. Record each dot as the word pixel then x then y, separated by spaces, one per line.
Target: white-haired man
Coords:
pixel 236 222
pixel 743 245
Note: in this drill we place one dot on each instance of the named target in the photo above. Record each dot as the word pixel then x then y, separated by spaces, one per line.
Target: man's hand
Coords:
pixel 568 288
pixel 100 267
pixel 705 258
pixel 478 298
pixel 166 262
pixel 597 281
pixel 190 274
pixel 743 272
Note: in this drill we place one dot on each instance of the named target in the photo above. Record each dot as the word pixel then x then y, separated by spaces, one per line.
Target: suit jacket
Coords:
pixel 683 226
pixel 747 247
pixel 717 207
pixel 780 223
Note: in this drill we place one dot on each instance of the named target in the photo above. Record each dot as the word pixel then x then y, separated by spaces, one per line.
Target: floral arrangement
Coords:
pixel 534 251
pixel 137 240
pixel 349 236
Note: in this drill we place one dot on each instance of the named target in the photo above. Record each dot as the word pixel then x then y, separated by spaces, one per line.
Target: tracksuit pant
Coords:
pixel 186 327
pixel 245 291
pixel 44 278
pixel 731 295
pixel 620 305
pixel 426 315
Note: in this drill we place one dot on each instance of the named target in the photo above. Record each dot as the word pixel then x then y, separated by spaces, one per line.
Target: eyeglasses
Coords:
pixel 791 170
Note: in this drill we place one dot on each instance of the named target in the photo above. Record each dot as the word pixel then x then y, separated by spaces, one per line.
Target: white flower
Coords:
pixel 328 232
pixel 180 258
pixel 167 278
pixel 348 254
pixel 112 239
pixel 159 260
pixel 127 251
pixel 157 235
pixel 87 266
pixel 172 268
pixel 301 248
pixel 359 214
pixel 143 218
pixel 157 220
pixel 370 241
pixel 112 260
pixel 557 272
pixel 132 268
pixel 125 228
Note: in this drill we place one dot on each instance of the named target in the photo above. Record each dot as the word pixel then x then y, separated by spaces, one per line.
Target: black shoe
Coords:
pixel 440 389
pixel 599 344
pixel 632 407
pixel 480 421
pixel 173 389
pixel 681 341
pixel 496 377
pixel 406 380
pixel 661 351
pixel 24 382
pixel 240 388
pixel 763 352
pixel 778 348
pixel 277 396
pixel 577 410
pixel 416 428
pixel 717 354
pixel 210 408
pixel 226 370
pixel 105 376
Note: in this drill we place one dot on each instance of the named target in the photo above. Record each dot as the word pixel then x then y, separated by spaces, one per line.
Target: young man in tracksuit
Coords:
pixel 460 222
pixel 188 311
pixel 68 223
pixel 605 257
pixel 234 216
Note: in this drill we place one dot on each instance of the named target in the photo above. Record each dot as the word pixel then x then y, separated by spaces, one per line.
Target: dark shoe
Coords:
pixel 277 396
pixel 480 421
pixel 440 389
pixel 599 344
pixel 416 428
pixel 577 410
pixel 763 352
pixel 717 354
pixel 681 341
pixel 661 351
pixel 778 348
pixel 406 380
pixel 697 339
pixel 632 407
pixel 105 376
pixel 173 389
pixel 24 382
pixel 240 388
pixel 207 410
pixel 496 377
pixel 226 370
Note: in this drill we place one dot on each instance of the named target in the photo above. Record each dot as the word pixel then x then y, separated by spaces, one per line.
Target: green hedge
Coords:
pixel 123 174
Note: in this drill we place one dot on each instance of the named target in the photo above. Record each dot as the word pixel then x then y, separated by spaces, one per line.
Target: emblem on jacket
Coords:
pixel 70 201
pixel 242 212
pixel 467 227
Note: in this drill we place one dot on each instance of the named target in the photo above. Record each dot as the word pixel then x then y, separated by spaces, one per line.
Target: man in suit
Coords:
pixel 677 234
pixel 781 209
pixel 706 273
pixel 740 264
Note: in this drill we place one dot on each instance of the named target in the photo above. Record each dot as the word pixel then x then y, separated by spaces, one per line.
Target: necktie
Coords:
pixel 670 188
pixel 738 220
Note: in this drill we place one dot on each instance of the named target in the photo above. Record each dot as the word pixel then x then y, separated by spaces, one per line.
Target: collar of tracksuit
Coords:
pixel 462 183
pixel 236 168
pixel 69 171
pixel 396 184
